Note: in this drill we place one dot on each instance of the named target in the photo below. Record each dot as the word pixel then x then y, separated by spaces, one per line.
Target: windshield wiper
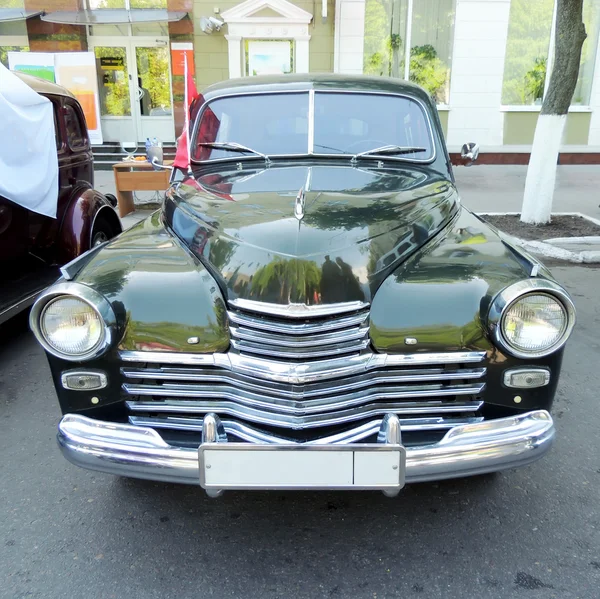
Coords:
pixel 232 146
pixel 387 150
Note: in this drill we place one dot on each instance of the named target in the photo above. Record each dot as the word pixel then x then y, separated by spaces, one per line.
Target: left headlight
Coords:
pixel 532 318
pixel 71 326
pixel 73 322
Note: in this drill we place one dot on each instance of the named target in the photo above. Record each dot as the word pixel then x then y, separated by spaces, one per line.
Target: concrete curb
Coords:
pixel 549 248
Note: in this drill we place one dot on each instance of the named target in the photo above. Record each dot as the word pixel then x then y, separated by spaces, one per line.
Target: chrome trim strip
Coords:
pixel 359 381
pixel 217 393
pixel 94 299
pixel 236 410
pixel 312 352
pixel 252 435
pixel 308 372
pixel 21 305
pixel 140 452
pixel 514 292
pixel 317 339
pixel 297 310
pixel 70 270
pixel 311 121
pixel 294 328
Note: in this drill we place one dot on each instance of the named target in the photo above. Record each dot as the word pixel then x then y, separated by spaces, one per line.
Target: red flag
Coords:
pixel 182 156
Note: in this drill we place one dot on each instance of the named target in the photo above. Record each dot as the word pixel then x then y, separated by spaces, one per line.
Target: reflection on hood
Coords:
pixel 354 228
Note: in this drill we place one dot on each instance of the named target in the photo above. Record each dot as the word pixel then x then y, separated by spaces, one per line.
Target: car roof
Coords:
pixel 42 86
pixel 316 81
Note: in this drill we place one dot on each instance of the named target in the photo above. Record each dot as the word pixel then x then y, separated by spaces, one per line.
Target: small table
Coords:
pixel 133 175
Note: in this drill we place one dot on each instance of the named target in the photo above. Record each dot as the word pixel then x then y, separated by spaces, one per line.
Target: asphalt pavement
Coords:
pixel 71 533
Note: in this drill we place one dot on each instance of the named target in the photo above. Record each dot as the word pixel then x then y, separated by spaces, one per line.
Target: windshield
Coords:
pixel 338 124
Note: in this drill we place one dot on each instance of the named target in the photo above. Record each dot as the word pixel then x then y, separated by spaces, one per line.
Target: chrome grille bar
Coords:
pixel 293 328
pixel 322 404
pixel 371 379
pixel 307 372
pixel 301 422
pixel 313 351
pixel 253 435
pixel 311 340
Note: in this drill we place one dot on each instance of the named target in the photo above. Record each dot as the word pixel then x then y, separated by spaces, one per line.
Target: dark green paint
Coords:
pixel 163 294
pixel 358 225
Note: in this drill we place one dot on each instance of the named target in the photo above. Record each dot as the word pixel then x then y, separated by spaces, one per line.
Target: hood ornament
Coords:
pixel 299 205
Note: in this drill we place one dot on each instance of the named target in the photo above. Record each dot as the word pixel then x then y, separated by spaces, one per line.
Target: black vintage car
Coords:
pixel 311 308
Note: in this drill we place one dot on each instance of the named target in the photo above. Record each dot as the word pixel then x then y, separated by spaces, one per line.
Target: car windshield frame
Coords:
pixel 310 150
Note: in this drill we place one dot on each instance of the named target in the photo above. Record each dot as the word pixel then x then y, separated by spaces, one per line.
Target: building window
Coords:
pixel 416 43
pixel 269 57
pixel 528 52
pixel 591 19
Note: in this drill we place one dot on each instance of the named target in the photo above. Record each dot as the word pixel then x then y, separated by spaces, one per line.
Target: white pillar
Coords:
pixel 302 54
pixel 480 33
pixel 349 37
pixel 594 139
pixel 234 44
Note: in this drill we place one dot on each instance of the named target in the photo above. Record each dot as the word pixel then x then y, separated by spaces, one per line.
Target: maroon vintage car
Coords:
pixel 33 246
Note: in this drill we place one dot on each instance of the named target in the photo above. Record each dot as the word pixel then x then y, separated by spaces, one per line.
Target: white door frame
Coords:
pixel 130 43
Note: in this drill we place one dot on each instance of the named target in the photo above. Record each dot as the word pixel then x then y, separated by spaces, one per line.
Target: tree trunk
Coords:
pixel 541 173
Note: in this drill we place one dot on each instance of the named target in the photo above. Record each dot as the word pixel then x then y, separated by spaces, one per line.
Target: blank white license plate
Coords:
pixel 246 466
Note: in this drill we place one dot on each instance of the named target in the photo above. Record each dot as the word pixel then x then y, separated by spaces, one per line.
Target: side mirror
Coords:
pixel 469 153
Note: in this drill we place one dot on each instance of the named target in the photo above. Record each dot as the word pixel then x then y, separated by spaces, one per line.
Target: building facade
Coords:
pixel 483 61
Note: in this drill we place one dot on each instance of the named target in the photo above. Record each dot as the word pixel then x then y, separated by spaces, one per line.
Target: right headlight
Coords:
pixel 73 322
pixel 532 318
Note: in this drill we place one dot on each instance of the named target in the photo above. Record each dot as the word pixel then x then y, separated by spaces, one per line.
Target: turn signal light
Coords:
pixel 84 380
pixel 526 378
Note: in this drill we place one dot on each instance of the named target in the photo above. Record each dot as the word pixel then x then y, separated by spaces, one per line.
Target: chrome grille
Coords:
pixel 260 335
pixel 429 392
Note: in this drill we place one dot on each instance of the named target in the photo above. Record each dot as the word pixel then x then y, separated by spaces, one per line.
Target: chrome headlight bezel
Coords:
pixel 507 297
pixel 90 296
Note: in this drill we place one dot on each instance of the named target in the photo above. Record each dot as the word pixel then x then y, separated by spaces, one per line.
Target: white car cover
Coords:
pixel 28 159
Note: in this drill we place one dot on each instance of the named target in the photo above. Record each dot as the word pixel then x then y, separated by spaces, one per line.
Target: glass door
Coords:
pixel 154 102
pixel 114 87
pixel 134 83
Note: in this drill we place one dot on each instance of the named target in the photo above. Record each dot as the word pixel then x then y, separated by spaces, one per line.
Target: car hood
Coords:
pixel 315 234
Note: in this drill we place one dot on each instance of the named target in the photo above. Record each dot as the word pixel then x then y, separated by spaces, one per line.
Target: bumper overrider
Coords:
pixel 219 464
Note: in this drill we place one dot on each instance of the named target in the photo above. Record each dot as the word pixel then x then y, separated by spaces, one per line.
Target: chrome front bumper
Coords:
pixel 140 452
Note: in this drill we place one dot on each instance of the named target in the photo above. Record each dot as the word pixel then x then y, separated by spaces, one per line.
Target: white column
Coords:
pixel 594 139
pixel 302 54
pixel 480 33
pixel 234 44
pixel 350 36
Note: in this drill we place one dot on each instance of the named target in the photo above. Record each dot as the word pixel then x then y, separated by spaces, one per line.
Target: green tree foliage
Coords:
pixel 4 50
pixel 383 51
pixel 428 71
pixel 529 28
pixel 292 280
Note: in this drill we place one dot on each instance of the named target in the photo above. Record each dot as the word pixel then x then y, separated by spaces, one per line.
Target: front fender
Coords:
pixel 78 223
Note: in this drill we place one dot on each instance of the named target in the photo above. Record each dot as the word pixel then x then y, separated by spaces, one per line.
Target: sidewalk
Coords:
pixel 484 188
